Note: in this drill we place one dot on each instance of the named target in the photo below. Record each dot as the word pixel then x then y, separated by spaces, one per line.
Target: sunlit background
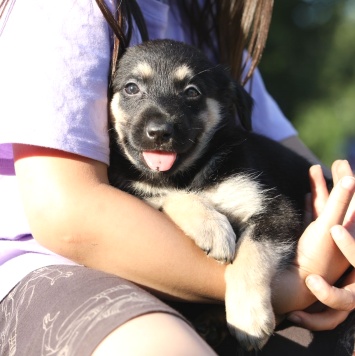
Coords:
pixel 309 68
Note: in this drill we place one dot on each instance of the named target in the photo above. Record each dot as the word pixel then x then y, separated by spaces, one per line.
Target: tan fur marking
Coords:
pixel 115 108
pixel 182 72
pixel 148 189
pixel 118 116
pixel 119 119
pixel 143 70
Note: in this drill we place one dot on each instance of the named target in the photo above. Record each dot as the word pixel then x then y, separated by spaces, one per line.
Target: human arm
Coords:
pixel 73 211
pixel 338 301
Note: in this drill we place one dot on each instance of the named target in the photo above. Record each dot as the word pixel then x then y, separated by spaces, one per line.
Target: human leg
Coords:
pixel 69 309
pixel 154 334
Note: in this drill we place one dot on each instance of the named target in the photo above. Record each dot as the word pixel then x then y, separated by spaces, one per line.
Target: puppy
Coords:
pixel 176 143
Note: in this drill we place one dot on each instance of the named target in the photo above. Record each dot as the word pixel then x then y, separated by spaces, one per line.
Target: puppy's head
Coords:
pixel 168 101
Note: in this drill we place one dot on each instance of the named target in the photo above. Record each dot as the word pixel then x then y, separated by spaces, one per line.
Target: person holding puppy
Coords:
pixel 71 245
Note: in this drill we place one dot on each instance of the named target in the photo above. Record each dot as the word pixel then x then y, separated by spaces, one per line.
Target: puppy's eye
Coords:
pixel 192 92
pixel 131 89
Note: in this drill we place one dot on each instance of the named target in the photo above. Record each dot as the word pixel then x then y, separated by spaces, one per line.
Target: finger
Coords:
pixel 334 170
pixel 325 320
pixel 345 241
pixel 349 220
pixel 340 168
pixel 345 169
pixel 349 282
pixel 337 205
pixel 319 190
pixel 342 299
pixel 308 210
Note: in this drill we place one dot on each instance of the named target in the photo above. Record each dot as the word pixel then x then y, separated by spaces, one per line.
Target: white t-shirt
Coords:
pixel 54 68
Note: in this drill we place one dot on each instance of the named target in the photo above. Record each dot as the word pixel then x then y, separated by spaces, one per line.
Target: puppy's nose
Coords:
pixel 159 131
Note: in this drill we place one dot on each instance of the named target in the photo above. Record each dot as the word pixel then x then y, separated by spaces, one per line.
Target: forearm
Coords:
pixel 289 292
pixel 75 213
pixel 131 239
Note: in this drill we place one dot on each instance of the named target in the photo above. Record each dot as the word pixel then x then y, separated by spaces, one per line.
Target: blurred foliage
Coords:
pixel 309 68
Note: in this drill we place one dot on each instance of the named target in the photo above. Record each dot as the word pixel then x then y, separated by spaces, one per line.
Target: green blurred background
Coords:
pixel 309 68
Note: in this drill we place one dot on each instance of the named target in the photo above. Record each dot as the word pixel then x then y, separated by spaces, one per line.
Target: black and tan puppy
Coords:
pixel 176 144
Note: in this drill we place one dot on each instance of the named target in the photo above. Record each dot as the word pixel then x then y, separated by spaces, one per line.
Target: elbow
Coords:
pixel 54 228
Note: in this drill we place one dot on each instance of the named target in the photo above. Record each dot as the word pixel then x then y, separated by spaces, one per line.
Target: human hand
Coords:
pixel 317 253
pixel 338 302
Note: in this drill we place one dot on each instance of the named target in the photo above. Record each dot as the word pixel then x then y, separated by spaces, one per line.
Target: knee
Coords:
pixel 153 334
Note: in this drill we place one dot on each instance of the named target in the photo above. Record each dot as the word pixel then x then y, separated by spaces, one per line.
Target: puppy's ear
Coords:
pixel 243 103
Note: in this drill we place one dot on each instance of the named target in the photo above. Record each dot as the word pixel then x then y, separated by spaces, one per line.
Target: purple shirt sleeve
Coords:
pixel 55 80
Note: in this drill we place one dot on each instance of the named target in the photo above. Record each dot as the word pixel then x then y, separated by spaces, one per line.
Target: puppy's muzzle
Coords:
pixel 158 131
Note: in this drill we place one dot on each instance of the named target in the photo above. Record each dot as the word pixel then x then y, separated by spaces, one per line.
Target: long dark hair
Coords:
pixel 227 29
pixel 230 27
pixel 3 5
pixel 122 26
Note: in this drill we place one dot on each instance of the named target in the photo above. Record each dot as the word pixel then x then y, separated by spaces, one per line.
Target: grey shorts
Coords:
pixel 69 310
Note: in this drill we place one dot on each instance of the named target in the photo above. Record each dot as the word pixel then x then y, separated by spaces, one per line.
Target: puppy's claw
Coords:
pixel 216 237
pixel 210 229
pixel 207 251
pixel 221 260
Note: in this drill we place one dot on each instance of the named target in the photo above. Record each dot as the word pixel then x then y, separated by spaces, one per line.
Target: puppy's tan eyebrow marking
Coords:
pixel 182 72
pixel 143 70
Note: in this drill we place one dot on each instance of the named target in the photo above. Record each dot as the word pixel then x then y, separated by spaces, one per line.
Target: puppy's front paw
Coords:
pixel 214 235
pixel 251 325
pixel 210 229
pixel 250 315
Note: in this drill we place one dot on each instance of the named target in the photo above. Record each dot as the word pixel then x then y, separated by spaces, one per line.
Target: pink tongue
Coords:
pixel 159 160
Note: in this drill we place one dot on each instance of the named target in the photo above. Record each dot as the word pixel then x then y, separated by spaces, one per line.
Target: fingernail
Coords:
pixel 337 232
pixel 294 319
pixel 348 182
pixel 313 282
